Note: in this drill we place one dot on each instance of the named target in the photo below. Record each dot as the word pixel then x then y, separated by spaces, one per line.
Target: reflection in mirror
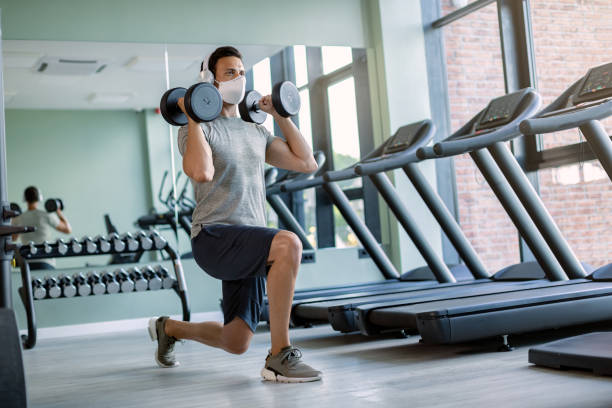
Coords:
pixel 83 125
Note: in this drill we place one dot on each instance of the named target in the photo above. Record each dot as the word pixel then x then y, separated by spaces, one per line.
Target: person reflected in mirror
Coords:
pixel 46 223
pixel 225 159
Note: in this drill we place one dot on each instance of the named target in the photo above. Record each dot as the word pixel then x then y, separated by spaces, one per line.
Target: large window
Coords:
pixel 569 37
pixel 475 76
pixel 325 74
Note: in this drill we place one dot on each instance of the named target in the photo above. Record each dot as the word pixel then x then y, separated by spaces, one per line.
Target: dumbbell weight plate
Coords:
pixel 169 108
pixel 286 99
pixel 69 290
pixel 203 102
pixel 248 112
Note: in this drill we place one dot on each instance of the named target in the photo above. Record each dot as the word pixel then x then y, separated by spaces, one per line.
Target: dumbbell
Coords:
pixel 285 99
pixel 75 246
pixel 32 250
pixel 102 243
pixel 140 283
pixel 203 103
pixel 155 282
pixel 52 204
pixel 167 280
pixel 145 242
pixel 97 286
pixel 68 288
pixel 89 244
pixel 125 282
pixel 159 241
pixel 53 289
pixel 132 244
pixel 15 208
pixel 38 290
pixel 62 248
pixel 83 288
pixel 116 242
pixel 112 286
pixel 47 248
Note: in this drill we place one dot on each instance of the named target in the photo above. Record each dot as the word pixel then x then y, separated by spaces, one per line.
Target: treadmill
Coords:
pixel 400 152
pixel 397 152
pixel 581 106
pixel 564 302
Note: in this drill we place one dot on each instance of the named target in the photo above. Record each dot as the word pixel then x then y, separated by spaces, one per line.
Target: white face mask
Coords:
pixel 232 91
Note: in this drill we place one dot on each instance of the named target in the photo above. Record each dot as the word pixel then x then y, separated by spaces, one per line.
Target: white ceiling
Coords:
pixel 119 86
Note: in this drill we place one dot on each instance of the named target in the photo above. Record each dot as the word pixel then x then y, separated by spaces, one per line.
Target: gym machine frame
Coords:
pixel 25 292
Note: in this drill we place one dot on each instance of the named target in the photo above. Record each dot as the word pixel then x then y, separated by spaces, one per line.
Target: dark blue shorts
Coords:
pixel 237 255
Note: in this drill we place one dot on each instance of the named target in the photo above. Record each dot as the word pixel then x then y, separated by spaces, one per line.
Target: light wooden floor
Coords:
pixel 119 371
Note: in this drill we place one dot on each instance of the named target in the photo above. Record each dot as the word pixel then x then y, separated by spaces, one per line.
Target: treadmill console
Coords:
pixel 403 138
pixel 597 84
pixel 501 111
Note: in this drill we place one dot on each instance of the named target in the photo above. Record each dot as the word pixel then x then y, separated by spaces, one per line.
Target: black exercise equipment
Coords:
pixel 203 103
pixel 590 352
pixel 582 106
pixel 16 209
pixel 125 282
pixel 53 204
pixel 68 288
pixel 38 289
pixel 562 302
pixel 155 281
pixel 97 286
pixel 112 286
pixel 285 99
pixel 83 288
pixel 140 283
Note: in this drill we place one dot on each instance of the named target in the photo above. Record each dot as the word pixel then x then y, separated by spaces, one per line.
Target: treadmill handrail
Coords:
pixel 561 121
pixel 502 134
pixel 297 185
pixel 339 175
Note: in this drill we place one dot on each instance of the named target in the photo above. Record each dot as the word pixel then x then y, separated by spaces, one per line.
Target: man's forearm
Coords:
pixel 294 138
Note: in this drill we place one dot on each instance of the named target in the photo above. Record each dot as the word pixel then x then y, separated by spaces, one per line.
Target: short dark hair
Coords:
pixel 31 195
pixel 226 51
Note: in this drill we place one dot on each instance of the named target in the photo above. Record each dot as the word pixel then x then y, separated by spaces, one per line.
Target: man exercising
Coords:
pixel 225 160
pixel 44 222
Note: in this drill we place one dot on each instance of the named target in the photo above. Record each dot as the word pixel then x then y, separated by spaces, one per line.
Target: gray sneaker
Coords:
pixel 164 355
pixel 287 367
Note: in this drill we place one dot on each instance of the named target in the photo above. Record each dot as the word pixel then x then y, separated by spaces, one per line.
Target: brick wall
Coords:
pixel 569 37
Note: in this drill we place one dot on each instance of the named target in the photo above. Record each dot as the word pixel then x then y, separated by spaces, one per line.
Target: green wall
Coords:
pixel 96 161
pixel 312 22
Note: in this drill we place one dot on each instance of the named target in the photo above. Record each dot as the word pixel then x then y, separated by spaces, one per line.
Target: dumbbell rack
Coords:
pixel 23 257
